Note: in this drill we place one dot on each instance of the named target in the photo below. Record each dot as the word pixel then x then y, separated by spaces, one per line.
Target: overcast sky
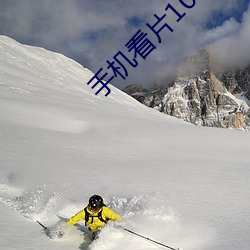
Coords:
pixel 93 31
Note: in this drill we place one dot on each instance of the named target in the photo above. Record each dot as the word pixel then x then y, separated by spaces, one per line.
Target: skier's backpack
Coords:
pixel 88 216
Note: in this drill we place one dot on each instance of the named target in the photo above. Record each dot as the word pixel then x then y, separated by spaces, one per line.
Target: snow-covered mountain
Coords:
pixel 201 95
pixel 182 185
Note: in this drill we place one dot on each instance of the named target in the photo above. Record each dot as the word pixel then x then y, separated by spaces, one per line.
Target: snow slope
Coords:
pixel 179 184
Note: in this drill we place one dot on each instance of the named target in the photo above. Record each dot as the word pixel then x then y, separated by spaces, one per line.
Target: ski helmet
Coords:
pixel 95 202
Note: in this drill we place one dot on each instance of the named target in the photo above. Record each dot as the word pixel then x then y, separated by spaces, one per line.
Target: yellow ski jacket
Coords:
pixel 94 223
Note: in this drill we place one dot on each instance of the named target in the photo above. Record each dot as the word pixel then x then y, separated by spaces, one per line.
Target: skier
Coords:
pixel 95 214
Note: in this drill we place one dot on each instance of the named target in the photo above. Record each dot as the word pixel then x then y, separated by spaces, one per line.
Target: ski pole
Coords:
pixel 146 238
pixel 45 228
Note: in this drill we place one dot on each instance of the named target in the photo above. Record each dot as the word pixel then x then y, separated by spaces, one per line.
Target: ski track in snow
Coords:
pixel 145 214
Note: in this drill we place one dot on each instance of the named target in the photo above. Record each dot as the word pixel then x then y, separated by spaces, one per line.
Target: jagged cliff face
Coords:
pixel 237 81
pixel 201 97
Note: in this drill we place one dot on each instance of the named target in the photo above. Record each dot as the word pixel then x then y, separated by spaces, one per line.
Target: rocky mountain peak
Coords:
pixel 197 64
pixel 202 97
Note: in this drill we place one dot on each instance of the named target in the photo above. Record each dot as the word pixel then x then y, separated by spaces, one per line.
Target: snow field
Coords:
pixel 182 185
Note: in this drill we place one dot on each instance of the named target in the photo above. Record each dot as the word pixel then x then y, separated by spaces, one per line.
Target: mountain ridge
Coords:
pixel 201 95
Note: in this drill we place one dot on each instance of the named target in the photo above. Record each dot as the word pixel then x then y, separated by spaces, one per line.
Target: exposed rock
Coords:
pixel 137 91
pixel 201 97
pixel 237 81
pixel 133 88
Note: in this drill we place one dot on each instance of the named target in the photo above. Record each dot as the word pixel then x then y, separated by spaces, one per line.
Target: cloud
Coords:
pixel 93 31
pixel 233 49
pixel 229 27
